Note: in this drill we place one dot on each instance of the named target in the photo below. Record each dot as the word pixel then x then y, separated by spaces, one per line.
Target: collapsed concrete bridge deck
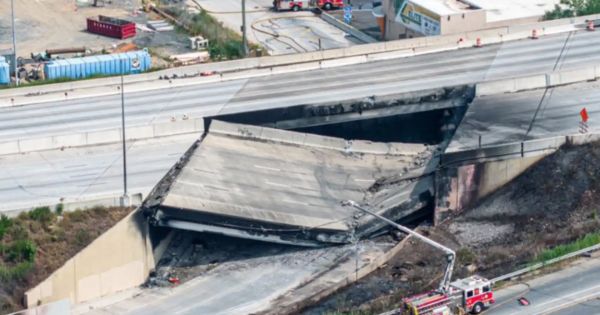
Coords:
pixel 287 187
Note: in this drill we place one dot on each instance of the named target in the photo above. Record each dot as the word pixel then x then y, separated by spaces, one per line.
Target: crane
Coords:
pixel 450 254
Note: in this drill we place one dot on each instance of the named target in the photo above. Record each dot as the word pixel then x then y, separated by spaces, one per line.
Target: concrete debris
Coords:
pixel 287 187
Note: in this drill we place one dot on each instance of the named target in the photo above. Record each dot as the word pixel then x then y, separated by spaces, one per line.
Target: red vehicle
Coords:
pixel 472 295
pixel 475 293
pixel 297 5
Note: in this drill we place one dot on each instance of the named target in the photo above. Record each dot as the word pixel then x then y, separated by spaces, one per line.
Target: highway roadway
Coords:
pixel 47 178
pixel 572 290
pixel 464 66
pixel 39 178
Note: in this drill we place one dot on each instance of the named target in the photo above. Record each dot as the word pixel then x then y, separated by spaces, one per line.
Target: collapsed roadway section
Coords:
pixel 287 187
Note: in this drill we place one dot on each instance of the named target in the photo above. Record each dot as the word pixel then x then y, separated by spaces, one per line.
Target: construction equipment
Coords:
pixel 471 294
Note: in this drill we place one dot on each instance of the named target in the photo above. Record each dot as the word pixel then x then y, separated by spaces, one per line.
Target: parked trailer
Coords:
pixel 114 64
pixel 4 71
pixel 111 27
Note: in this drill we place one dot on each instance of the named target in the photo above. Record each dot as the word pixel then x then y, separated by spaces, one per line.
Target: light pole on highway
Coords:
pixel 244 38
pixel 125 197
pixel 14 39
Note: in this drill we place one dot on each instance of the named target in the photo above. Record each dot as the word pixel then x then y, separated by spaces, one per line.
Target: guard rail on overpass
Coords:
pixel 335 57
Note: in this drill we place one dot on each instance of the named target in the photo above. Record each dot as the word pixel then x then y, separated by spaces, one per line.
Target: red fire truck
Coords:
pixel 297 5
pixel 471 294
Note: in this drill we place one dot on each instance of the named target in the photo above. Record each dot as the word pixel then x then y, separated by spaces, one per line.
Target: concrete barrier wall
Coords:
pixel 102 137
pixel 548 80
pixel 119 259
pixel 445 42
pixel 464 186
pixel 347 28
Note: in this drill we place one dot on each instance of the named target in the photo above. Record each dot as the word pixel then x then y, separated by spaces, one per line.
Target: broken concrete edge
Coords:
pixel 312 291
pixel 127 261
pixel 311 140
pixel 540 81
pixel 370 52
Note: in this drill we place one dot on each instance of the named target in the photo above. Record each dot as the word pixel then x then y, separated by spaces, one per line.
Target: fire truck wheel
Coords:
pixel 327 6
pixel 295 8
pixel 478 308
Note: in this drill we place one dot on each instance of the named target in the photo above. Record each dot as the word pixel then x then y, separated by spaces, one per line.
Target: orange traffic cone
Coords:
pixel 534 34
pixel 591 26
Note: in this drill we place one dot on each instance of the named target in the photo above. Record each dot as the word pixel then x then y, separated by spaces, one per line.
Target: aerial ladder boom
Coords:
pixel 450 254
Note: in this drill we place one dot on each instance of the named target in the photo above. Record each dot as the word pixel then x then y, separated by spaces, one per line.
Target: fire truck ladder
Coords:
pixel 450 254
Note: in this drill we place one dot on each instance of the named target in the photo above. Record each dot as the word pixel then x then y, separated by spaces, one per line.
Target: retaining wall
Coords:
pixel 465 177
pixel 119 259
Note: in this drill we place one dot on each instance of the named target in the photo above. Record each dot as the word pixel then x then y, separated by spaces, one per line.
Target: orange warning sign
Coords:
pixel 584 115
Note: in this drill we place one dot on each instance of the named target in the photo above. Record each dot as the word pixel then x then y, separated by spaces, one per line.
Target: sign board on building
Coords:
pixel 417 18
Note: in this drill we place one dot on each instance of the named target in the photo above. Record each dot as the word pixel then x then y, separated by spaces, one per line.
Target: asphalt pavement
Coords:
pixel 36 177
pixel 78 174
pixel 388 77
pixel 572 290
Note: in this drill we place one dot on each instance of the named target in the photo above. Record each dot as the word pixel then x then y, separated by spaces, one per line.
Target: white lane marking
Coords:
pixel 564 297
pixel 268 168
pixel 276 184
pixel 570 303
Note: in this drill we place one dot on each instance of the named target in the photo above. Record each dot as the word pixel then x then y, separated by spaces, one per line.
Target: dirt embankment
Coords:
pixel 555 202
pixel 36 243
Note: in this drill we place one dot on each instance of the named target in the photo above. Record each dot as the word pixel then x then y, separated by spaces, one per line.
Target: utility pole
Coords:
pixel 125 197
pixel 14 38
pixel 244 38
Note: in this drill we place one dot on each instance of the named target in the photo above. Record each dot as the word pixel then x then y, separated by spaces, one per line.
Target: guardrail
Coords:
pixel 544 264
pixel 369 52
pixel 514 150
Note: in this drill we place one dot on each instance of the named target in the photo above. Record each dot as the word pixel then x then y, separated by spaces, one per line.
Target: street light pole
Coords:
pixel 125 197
pixel 244 38
pixel 14 39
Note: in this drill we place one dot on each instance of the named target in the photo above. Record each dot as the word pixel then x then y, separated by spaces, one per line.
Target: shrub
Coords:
pixel 21 250
pixel 41 214
pixel 5 223
pixel 82 237
pixel 59 208
pixel 465 256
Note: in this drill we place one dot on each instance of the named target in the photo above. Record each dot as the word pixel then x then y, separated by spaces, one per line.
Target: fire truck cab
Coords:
pixel 474 293
pixel 297 5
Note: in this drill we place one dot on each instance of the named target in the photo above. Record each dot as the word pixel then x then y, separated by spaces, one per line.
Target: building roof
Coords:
pixel 513 9
pixel 444 7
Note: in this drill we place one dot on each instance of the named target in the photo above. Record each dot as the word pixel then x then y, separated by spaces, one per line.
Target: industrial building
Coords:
pixel 414 18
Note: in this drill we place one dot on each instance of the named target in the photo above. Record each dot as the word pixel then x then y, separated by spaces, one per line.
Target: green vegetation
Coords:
pixel 561 250
pixel 36 243
pixel 223 43
pixel 465 256
pixel 571 8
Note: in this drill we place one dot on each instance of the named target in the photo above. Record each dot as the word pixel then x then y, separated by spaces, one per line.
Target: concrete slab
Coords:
pixel 267 182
